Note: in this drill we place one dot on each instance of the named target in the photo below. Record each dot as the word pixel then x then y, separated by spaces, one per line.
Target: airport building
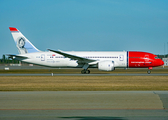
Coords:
pixel 165 60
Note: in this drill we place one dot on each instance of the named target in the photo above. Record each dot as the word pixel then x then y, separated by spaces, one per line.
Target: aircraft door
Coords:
pixel 43 57
pixel 121 57
pixel 146 57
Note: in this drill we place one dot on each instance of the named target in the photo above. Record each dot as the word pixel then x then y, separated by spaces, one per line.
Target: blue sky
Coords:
pixel 86 25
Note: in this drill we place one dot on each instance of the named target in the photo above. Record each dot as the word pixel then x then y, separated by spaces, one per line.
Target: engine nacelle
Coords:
pixel 106 65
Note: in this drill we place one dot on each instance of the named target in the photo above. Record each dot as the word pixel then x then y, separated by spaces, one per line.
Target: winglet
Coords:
pixel 13 29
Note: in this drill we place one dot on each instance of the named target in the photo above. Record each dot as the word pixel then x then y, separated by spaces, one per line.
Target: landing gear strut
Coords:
pixel 85 71
pixel 150 68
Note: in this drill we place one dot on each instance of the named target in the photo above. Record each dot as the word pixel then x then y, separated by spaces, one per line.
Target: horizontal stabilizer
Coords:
pixel 16 56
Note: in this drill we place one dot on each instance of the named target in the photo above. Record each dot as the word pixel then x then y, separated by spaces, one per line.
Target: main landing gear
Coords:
pixel 85 71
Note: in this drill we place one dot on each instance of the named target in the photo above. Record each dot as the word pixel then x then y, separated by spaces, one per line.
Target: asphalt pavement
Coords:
pixel 84 105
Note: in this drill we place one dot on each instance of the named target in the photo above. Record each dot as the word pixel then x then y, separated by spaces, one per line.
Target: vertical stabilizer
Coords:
pixel 22 43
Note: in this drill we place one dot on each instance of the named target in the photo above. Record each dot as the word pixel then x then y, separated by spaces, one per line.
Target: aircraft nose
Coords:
pixel 159 62
pixel 162 63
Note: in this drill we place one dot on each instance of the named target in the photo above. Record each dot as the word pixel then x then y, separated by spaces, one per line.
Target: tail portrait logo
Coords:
pixel 21 45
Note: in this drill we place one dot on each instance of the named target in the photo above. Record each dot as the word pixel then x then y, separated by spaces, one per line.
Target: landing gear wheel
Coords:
pixel 148 71
pixel 85 71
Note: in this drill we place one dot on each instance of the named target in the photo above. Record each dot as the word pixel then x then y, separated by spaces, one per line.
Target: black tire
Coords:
pixel 83 72
pixel 87 71
pixel 148 71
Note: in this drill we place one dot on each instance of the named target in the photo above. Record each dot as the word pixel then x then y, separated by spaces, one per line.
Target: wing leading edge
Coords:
pixel 74 57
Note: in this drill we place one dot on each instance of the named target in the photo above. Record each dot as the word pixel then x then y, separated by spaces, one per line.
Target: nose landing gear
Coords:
pixel 150 68
pixel 148 71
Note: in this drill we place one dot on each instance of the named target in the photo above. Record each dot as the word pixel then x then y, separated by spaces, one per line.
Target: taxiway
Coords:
pixel 84 105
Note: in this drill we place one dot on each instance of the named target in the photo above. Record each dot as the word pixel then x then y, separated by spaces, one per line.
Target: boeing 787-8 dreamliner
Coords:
pixel 105 61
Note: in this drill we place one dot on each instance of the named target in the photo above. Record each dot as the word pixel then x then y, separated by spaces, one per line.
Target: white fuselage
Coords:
pixel 52 59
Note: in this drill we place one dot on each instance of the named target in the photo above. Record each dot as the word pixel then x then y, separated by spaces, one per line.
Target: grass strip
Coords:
pixel 83 83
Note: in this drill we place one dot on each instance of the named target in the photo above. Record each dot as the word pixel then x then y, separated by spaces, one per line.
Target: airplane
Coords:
pixel 104 61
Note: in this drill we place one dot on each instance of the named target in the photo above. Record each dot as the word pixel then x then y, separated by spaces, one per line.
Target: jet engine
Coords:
pixel 106 65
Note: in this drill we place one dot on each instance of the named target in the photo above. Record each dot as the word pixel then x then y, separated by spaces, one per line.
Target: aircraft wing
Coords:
pixel 74 57
pixel 16 56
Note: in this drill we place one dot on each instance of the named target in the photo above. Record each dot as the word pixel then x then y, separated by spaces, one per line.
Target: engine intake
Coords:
pixel 106 65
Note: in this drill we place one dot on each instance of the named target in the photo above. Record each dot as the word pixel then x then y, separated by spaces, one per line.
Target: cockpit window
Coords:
pixel 156 57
